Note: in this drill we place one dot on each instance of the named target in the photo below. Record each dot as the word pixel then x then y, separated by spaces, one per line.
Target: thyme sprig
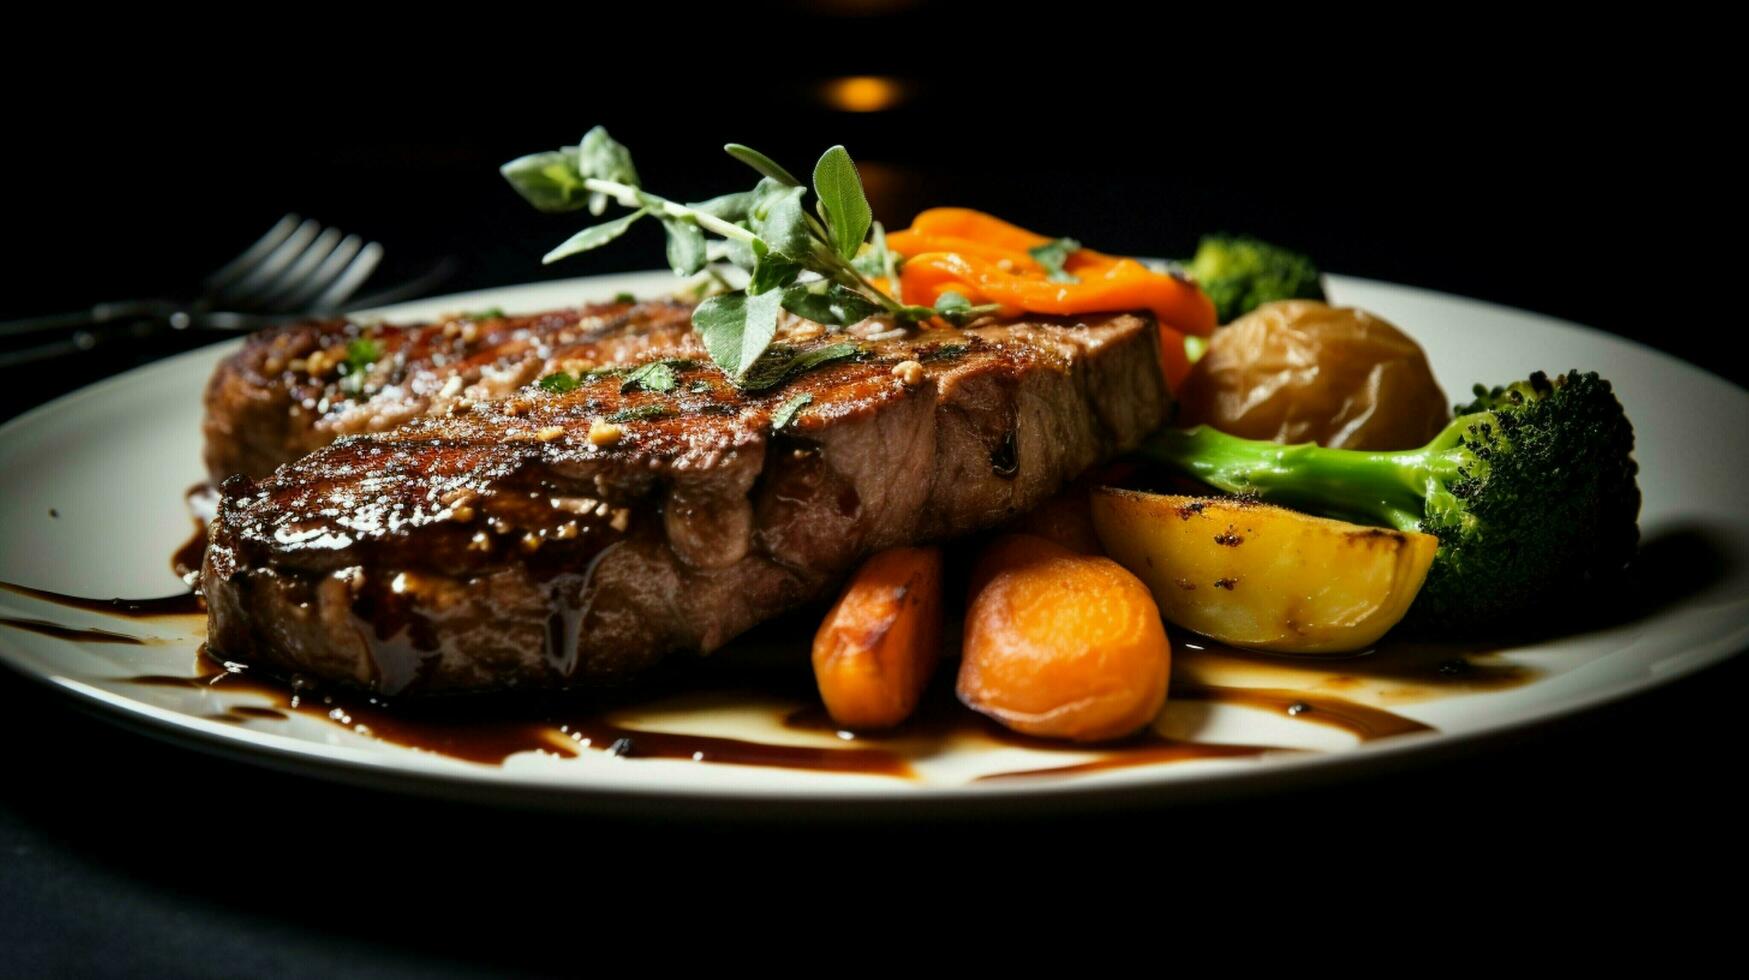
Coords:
pixel 815 265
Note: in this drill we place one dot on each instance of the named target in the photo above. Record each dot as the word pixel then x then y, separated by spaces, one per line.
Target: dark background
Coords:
pixel 1579 171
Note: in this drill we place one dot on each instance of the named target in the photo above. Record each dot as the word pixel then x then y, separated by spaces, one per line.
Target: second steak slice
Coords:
pixel 507 546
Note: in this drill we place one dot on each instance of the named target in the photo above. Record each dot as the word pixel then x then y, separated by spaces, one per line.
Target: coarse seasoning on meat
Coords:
pixel 570 538
pixel 293 390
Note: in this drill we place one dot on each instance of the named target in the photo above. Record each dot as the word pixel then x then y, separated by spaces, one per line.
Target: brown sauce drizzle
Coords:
pixel 941 719
pixel 1153 750
pixel 252 711
pixel 491 736
pixel 203 504
pixel 484 740
pixel 79 634
pixel 632 744
pixel 1398 671
pixel 1362 721
pixel 186 560
pixel 186 604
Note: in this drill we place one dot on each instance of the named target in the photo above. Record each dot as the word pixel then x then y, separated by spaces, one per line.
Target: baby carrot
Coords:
pixel 876 649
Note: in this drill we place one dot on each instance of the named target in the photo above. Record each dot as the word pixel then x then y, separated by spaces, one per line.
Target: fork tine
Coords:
pixel 297 275
pixel 357 271
pixel 322 277
pixel 256 281
pixel 253 254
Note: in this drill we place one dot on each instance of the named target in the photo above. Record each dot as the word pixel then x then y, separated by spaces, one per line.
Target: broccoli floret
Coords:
pixel 1531 491
pixel 1241 273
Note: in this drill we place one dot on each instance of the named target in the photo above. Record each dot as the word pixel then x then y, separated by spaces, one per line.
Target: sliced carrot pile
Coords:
pixel 1062 645
pixel 877 648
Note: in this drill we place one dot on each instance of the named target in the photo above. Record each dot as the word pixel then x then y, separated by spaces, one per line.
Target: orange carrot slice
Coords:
pixel 1062 645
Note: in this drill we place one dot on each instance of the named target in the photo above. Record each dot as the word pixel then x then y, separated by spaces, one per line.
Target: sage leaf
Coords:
pixel 834 305
pixel 770 270
pixel 786 412
pixel 779 222
pixel 762 163
pixel 736 328
pixel 740 254
pixel 604 158
pixel 549 181
pixel 686 246
pixel 729 207
pixel 594 236
pixel 879 261
pixel 782 363
pixel 839 188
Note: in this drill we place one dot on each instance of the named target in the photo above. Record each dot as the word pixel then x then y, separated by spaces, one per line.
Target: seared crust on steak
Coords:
pixel 505 547
pixel 286 393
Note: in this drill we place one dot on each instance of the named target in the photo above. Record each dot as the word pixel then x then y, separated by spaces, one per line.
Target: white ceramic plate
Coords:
pixel 111 463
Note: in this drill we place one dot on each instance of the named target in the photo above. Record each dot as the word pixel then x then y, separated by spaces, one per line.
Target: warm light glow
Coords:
pixel 862 93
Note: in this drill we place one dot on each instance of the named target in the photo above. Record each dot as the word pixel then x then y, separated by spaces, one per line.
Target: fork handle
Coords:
pixel 96 316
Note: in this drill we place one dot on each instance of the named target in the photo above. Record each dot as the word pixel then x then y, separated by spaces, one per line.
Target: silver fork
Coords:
pixel 298 267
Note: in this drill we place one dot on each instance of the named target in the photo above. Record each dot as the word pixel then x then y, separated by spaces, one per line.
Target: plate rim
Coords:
pixel 358 766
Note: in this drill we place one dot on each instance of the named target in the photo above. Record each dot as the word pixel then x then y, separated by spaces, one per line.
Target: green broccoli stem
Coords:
pixel 1391 488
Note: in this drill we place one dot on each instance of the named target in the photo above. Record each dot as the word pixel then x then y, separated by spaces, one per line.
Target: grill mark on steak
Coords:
pixel 501 548
pixel 266 406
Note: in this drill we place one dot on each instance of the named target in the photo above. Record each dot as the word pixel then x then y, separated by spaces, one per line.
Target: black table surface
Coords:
pixel 122 854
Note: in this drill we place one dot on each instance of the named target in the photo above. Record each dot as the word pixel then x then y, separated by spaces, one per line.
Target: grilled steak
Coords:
pixel 289 391
pixel 572 539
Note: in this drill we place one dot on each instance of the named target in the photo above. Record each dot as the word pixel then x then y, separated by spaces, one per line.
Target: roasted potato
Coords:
pixel 1303 371
pixel 1260 576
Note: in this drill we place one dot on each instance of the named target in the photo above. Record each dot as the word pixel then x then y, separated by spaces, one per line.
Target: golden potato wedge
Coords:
pixel 1255 575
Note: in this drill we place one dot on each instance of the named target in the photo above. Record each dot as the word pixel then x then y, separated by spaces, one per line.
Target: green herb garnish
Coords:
pixel 782 363
pixel 959 311
pixel 946 352
pixel 654 376
pixel 489 313
pixel 797 261
pixel 559 383
pixel 878 261
pixel 1053 254
pixel 786 412
pixel 361 353
pixel 624 298
pixel 640 413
